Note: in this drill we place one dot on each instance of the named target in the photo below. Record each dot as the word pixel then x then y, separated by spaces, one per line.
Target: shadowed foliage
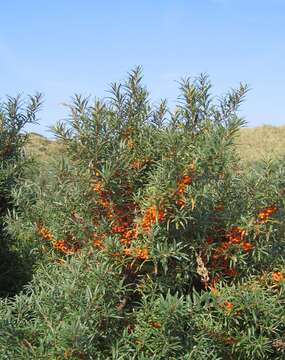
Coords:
pixel 14 115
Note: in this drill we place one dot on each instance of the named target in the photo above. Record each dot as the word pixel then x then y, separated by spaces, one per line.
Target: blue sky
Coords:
pixel 62 47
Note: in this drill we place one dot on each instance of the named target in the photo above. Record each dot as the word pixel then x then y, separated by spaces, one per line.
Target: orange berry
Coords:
pixel 228 306
pixel 209 240
pixel 142 254
pixel 116 254
pixel 277 276
pixel 246 246
pixel 236 234
pixel 180 202
pixel 155 324
pixel 127 252
pixel 265 213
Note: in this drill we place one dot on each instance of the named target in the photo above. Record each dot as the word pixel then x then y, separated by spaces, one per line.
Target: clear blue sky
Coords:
pixel 62 47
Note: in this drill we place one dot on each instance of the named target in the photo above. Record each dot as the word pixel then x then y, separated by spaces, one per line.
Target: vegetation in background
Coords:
pixel 261 143
pixel 149 240
pixel 14 115
pixel 41 148
pixel 253 144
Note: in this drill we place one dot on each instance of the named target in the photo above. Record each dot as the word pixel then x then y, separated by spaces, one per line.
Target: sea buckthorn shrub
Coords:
pixel 15 113
pixel 75 310
pixel 150 236
pixel 165 187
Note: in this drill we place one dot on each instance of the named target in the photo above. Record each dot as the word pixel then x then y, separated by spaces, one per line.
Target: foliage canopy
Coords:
pixel 148 239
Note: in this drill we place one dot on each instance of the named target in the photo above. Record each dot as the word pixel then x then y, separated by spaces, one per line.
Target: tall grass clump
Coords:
pixel 151 240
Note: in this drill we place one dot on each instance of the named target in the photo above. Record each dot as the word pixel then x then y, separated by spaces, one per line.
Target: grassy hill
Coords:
pixel 253 144
pixel 43 148
pixel 261 142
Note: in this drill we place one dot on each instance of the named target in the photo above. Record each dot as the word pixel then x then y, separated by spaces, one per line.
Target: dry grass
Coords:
pixel 261 142
pixel 253 144
pixel 42 148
